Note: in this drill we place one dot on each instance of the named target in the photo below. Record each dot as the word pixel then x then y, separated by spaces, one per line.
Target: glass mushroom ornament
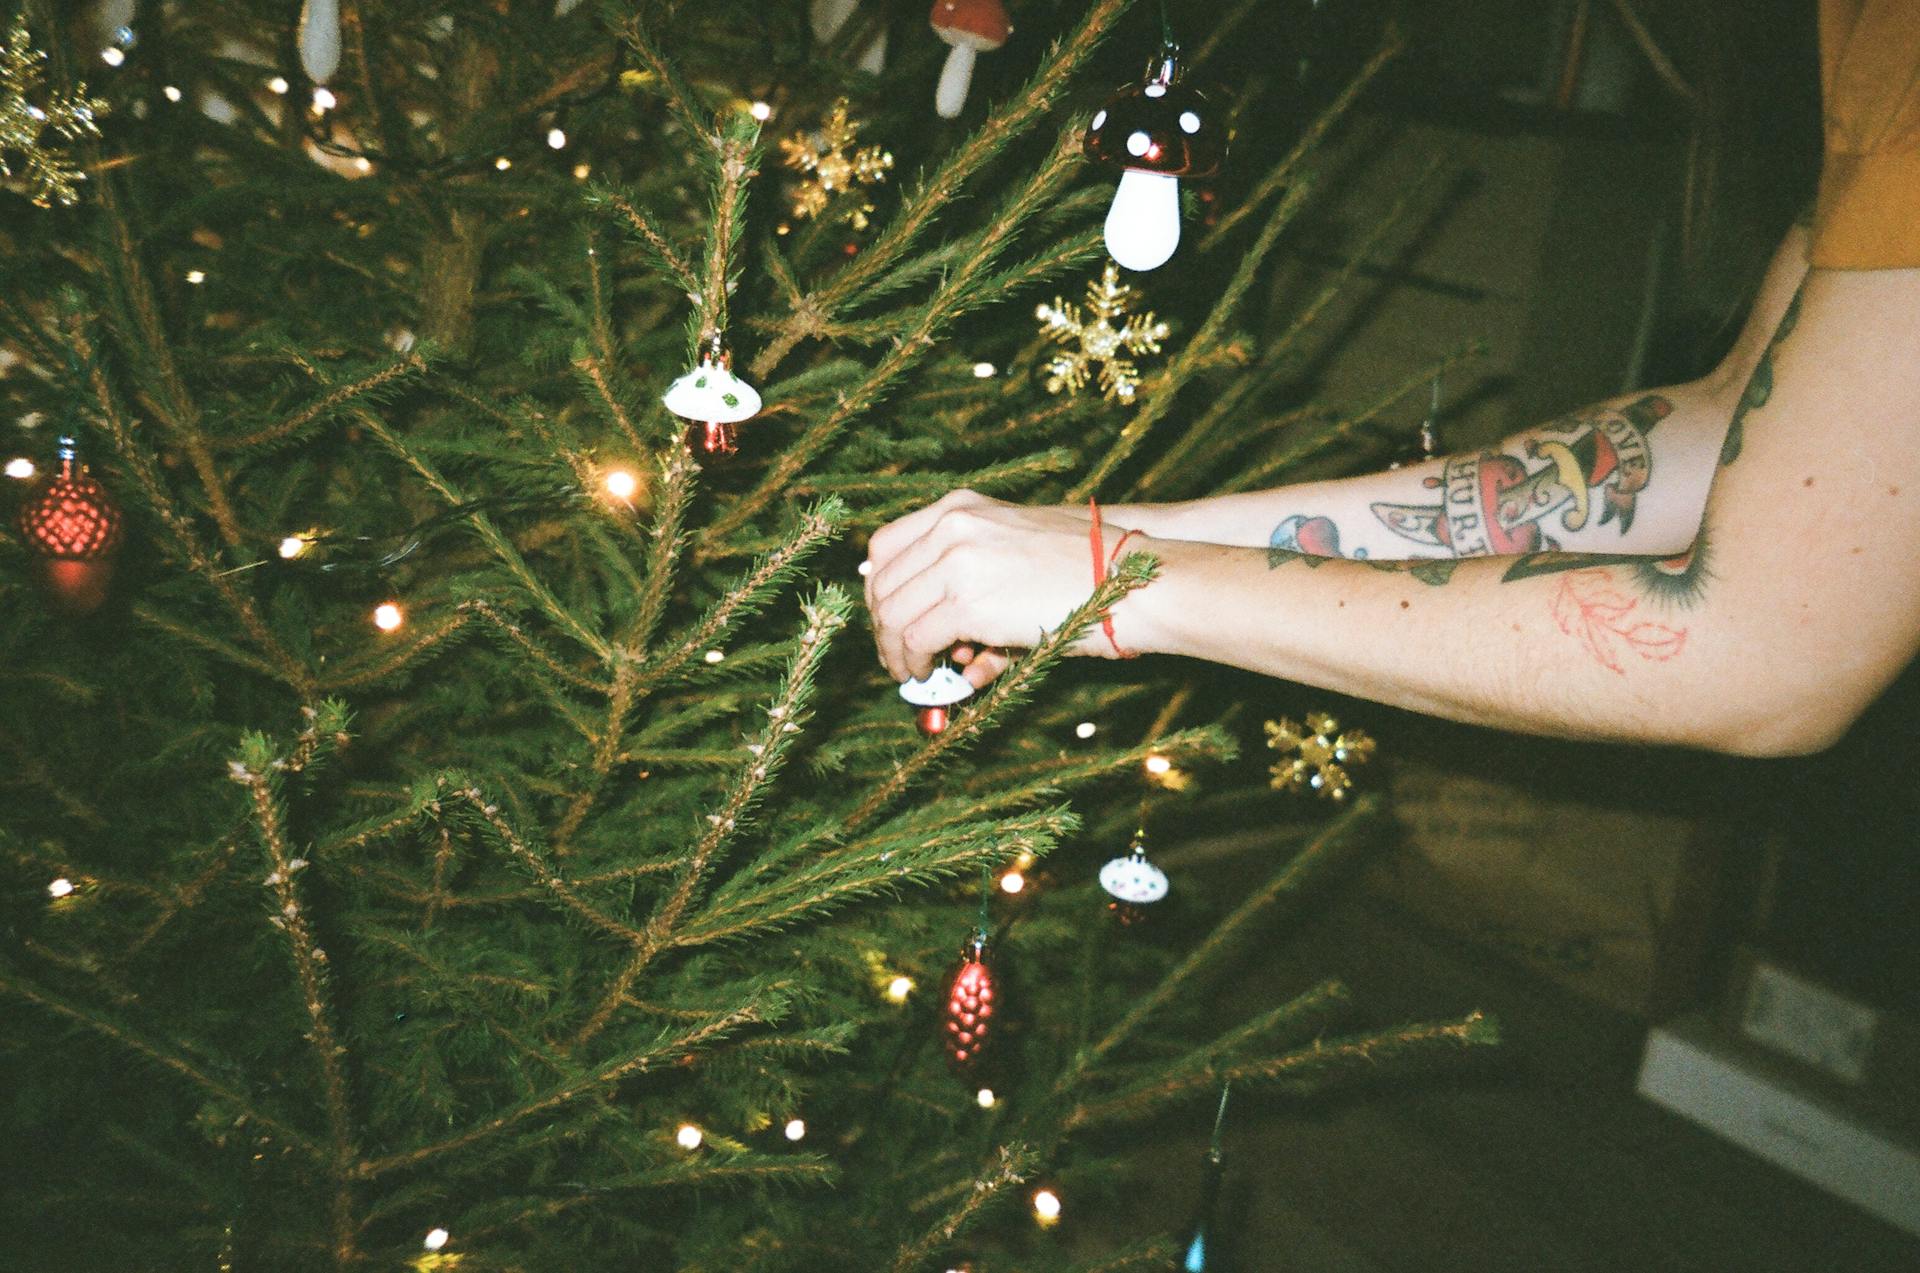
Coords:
pixel 1132 882
pixel 933 695
pixel 715 400
pixel 1156 132
pixel 74 525
pixel 970 27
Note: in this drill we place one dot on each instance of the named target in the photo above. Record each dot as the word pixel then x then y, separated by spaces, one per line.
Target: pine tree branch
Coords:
pixel 1012 686
pixel 1182 367
pixel 747 594
pixel 1316 1066
pixel 1009 1168
pixel 1341 430
pixel 167 1057
pixel 679 274
pixel 666 540
pixel 548 662
pixel 960 292
pixel 664 1050
pixel 549 879
pixel 824 617
pixel 503 549
pixel 309 962
pixel 1282 173
pixel 325 405
pixel 186 540
pixel 1323 853
pixel 595 374
pixel 1006 122
pixel 380 663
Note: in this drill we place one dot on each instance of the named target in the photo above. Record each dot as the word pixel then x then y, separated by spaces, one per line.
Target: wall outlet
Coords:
pixel 1809 1023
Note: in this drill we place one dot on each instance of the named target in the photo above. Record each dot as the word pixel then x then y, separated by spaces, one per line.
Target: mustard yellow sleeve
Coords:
pixel 1868 215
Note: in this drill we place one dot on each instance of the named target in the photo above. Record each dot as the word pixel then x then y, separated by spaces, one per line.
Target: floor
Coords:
pixel 1544 1161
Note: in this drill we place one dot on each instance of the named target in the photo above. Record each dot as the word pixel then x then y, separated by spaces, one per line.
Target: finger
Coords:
pixel 898 611
pixel 961 654
pixel 985 666
pixel 952 528
pixel 924 639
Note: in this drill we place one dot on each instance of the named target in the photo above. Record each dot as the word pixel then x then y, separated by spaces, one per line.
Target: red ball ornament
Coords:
pixel 970 1006
pixel 70 520
pixel 932 720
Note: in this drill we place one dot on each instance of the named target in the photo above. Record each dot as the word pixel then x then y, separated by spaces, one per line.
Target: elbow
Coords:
pixel 1780 725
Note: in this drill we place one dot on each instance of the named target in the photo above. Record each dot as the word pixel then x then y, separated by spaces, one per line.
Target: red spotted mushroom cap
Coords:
pixel 1160 126
pixel 980 24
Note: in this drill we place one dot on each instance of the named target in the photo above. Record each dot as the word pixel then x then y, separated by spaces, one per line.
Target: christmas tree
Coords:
pixel 449 813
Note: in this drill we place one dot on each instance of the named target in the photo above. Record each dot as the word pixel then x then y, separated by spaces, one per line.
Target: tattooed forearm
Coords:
pixel 1493 505
pixel 1586 469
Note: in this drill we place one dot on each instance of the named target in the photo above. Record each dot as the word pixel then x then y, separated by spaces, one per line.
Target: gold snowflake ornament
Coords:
pixel 1317 757
pixel 49 176
pixel 830 164
pixel 1093 341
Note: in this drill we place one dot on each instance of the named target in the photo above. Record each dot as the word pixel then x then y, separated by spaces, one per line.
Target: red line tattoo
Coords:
pixel 1588 605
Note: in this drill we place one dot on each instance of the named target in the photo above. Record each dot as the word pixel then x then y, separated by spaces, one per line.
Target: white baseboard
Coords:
pixel 1694 1070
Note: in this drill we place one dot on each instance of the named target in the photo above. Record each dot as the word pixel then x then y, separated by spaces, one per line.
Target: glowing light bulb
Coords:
pixel 503 163
pixel 1012 882
pixel 292 546
pixel 62 887
pixel 556 139
pixel 762 111
pixel 1158 765
pixel 362 165
pixel 582 171
pixel 435 1239
pixel 388 617
pixel 1143 223
pixel 689 1137
pixel 278 86
pixel 171 93
pixel 984 370
pixel 324 100
pixel 112 57
pixel 899 988
pixel 796 1128
pixel 715 656
pixel 21 467
pixel 1046 1206
pixel 866 568
pixel 1085 729
pixel 1025 861
pixel 196 277
pixel 620 484
pixel 985 1098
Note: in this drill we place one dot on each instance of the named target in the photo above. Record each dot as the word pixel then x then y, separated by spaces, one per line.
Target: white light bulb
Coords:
pixel 436 1238
pixel 762 111
pixel 899 988
pixel 556 139
pixel 985 1098
pixel 689 1137
pixel 1085 729
pixel 278 85
pixel 20 467
pixel 62 887
pixel 796 1129
pixel 324 100
pixel 1143 225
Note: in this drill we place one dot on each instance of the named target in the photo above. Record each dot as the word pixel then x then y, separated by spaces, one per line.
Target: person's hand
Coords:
pixel 978 574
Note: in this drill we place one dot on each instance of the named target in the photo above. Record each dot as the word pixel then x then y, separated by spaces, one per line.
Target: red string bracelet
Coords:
pixel 1102 567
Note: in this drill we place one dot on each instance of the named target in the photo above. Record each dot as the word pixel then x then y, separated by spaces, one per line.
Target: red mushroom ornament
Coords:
pixel 934 695
pixel 1156 133
pixel 970 26
pixel 74 525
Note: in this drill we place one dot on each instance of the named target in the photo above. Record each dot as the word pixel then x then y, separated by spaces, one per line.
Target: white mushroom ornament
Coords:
pixel 716 400
pixel 933 695
pixel 1133 882
pixel 970 26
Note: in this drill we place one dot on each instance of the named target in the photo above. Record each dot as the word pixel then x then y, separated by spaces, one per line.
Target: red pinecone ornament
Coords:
pixel 71 521
pixel 970 1007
